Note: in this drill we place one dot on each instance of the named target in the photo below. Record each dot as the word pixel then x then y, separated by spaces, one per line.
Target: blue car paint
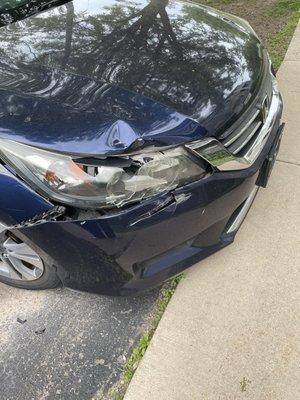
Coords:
pixel 107 254
pixel 71 106
pixel 92 91
pixel 17 201
pixel 131 250
pixel 88 128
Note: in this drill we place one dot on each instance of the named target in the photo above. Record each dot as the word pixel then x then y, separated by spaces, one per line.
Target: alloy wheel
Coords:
pixel 18 261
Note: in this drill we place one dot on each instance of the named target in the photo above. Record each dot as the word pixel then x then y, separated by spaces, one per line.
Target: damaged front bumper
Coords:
pixel 134 249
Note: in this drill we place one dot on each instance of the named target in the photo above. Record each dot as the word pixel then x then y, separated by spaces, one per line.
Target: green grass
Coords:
pixel 278 43
pixel 283 8
pixel 128 370
pixel 136 356
pixel 275 23
pixel 139 351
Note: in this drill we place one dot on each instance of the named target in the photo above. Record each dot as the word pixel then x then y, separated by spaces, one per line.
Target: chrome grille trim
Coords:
pixel 232 138
pixel 238 220
pixel 216 154
pixel 246 139
pixel 237 141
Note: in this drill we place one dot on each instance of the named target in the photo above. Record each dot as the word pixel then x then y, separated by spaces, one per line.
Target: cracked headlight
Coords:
pixel 101 184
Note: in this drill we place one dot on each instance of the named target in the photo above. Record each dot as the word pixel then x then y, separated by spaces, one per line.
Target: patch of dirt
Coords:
pixel 255 12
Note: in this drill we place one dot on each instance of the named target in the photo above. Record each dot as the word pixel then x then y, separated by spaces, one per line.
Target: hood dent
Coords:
pixel 102 78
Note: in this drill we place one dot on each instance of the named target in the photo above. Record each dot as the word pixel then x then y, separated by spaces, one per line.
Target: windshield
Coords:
pixel 15 10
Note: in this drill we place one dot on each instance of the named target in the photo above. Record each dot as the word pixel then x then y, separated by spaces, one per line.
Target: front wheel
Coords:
pixel 22 267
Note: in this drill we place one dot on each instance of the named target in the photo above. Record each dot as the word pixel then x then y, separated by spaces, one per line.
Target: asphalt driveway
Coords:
pixel 65 345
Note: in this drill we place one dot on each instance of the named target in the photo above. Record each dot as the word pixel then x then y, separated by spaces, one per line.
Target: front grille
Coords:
pixel 240 137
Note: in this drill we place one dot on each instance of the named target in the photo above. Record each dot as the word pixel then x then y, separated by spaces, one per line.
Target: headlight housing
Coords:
pixel 96 185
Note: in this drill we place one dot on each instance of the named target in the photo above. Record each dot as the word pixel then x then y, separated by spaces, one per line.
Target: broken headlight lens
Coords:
pixel 61 178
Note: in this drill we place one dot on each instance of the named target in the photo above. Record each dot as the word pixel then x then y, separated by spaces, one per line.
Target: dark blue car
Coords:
pixel 134 136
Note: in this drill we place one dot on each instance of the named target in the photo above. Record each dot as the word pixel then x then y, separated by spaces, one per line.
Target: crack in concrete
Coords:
pixel 288 162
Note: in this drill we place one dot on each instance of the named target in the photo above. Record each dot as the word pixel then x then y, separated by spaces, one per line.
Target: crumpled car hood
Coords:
pixel 106 77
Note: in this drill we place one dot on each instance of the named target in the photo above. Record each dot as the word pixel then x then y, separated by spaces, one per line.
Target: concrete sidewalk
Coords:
pixel 231 331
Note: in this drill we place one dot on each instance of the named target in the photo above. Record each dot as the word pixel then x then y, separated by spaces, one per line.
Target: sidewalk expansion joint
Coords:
pixel 288 162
